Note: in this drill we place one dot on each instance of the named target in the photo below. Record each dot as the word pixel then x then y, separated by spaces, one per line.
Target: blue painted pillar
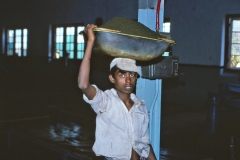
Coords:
pixel 151 90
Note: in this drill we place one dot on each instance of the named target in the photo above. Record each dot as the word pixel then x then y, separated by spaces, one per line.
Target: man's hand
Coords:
pixel 89 32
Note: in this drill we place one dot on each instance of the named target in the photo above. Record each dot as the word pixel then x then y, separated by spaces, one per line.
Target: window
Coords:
pixel 67 41
pixel 232 42
pixel 166 29
pixel 17 42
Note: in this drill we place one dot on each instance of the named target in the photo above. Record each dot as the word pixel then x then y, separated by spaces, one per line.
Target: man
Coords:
pixel 122 119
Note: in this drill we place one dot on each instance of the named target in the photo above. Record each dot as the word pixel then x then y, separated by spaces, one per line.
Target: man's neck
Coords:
pixel 126 99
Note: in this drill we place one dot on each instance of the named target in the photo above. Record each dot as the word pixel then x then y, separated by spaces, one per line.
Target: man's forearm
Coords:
pixel 84 70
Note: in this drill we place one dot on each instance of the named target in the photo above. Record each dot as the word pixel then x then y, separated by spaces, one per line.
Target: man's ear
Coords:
pixel 111 78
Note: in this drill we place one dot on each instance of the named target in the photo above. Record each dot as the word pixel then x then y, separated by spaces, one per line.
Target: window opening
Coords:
pixel 17 42
pixel 68 42
pixel 80 44
pixel 166 29
pixel 232 42
pixel 59 42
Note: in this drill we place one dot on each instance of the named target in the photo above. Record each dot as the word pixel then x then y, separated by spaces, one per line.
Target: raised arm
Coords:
pixel 84 70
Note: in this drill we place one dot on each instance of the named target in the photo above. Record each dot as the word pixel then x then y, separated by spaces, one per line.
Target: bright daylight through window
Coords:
pixel 166 29
pixel 233 45
pixel 68 42
pixel 17 42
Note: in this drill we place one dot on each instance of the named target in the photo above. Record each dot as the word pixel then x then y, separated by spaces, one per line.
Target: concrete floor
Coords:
pixel 205 134
pixel 185 135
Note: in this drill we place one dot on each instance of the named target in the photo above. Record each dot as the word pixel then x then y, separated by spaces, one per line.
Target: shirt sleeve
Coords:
pixel 97 103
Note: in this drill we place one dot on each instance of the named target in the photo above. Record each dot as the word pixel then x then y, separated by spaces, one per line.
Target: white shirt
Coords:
pixel 117 129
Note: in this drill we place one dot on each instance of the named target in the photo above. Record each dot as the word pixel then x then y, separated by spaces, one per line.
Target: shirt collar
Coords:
pixel 134 98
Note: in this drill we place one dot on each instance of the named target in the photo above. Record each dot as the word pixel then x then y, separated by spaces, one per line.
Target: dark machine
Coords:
pixel 167 68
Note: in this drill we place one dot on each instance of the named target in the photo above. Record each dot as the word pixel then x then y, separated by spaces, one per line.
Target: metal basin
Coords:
pixel 117 44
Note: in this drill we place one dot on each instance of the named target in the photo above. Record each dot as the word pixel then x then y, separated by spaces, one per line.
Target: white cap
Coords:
pixel 125 64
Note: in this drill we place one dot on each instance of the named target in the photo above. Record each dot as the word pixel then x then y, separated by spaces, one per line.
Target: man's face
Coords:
pixel 124 81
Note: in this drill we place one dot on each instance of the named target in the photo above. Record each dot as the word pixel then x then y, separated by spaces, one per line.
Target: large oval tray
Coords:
pixel 117 44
